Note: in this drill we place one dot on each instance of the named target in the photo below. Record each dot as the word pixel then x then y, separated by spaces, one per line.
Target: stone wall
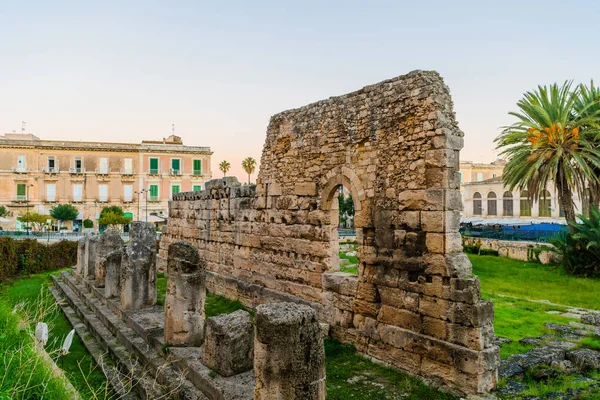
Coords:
pixel 395 146
pixel 523 251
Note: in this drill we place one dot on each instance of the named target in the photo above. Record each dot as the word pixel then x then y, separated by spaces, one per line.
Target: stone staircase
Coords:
pixel 134 341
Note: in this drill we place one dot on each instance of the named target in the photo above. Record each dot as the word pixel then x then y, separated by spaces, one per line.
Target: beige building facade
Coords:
pixel 36 175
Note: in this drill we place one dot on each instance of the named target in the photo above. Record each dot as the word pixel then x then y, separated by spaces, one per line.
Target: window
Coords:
pixel 21 163
pixel 52 164
pixel 103 192
pixel 197 188
pixel 477 206
pixel 128 193
pixel 21 191
pixel 197 167
pixel 460 177
pixel 77 165
pixel 127 166
pixel 494 175
pixel 545 205
pixel 153 193
pixel 479 176
pixel 50 192
pixel 174 190
pixel 507 204
pixel 525 204
pixel 154 166
pixel 175 166
pixel 103 165
pixel 77 192
pixel 492 204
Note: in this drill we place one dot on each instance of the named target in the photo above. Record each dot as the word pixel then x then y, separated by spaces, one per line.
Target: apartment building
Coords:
pixel 36 175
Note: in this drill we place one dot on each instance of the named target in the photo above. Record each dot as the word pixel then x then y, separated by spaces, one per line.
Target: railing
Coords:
pixel 126 172
pixel 19 198
pixel 20 170
pixel 344 232
pixel 102 200
pixel 197 172
pixel 74 199
pixel 174 171
pixel 103 171
pixel 41 236
pixel 514 234
pixel 153 198
pixel 153 171
pixel 51 170
pixel 76 170
pixel 50 200
pixel 127 199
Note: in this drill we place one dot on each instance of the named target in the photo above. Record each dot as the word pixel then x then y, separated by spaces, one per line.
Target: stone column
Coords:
pixel 80 255
pixel 289 359
pixel 186 291
pixel 138 269
pixel 108 252
pixel 91 242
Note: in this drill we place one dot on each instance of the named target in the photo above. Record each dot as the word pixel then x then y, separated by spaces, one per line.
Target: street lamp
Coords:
pixel 27 204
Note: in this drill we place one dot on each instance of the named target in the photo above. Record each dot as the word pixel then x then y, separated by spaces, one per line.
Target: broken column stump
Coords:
pixel 80 255
pixel 108 250
pixel 289 359
pixel 229 343
pixel 186 291
pixel 138 269
pixel 89 262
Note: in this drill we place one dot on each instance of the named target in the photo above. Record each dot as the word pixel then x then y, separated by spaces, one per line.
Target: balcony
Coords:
pixel 20 170
pixel 102 200
pixel 50 200
pixel 174 171
pixel 127 199
pixel 196 173
pixel 76 199
pixel 51 170
pixel 153 199
pixel 102 171
pixel 21 198
pixel 127 172
pixel 76 170
pixel 153 171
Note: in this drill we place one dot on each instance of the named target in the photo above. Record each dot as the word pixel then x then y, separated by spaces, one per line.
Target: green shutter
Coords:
pixel 197 188
pixel 154 165
pixel 175 189
pixel 154 190
pixel 175 164
pixel 21 189
pixel 197 167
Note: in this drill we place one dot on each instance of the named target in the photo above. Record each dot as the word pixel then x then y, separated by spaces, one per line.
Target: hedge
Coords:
pixel 28 256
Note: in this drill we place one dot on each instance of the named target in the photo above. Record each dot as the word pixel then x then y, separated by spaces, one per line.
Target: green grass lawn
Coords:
pixel 509 283
pixel 79 366
pixel 351 268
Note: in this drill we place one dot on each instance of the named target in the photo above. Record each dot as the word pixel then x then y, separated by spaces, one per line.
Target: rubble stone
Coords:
pixel 229 343
pixel 584 358
pixel 109 252
pixel 89 266
pixel 186 292
pixel 80 255
pixel 289 358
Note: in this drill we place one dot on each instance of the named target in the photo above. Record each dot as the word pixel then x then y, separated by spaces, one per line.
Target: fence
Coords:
pixel 52 236
pixel 511 233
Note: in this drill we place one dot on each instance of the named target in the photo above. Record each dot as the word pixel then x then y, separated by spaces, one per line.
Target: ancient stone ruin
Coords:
pixel 289 360
pixel 184 304
pixel 89 262
pixel 109 252
pixel 138 268
pixel 395 146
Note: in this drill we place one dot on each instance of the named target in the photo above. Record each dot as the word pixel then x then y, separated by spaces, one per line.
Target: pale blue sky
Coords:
pixel 127 70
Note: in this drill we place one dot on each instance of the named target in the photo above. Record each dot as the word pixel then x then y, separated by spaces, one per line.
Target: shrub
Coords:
pixel 579 248
pixel 471 248
pixel 488 252
pixel 88 223
pixel 29 256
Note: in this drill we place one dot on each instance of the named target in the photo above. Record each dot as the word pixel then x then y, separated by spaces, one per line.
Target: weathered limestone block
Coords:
pixel 229 343
pixel 289 359
pixel 138 269
pixel 80 255
pixel 108 251
pixel 89 262
pixel 186 291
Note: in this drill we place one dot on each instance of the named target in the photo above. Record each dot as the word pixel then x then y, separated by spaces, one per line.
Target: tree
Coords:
pixel 64 212
pixel 549 142
pixel 3 212
pixel 112 209
pixel 224 166
pixel 249 165
pixel 35 219
pixel 588 106
pixel 113 220
pixel 88 223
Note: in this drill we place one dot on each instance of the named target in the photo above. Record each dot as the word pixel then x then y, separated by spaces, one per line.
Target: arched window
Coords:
pixel 477 203
pixel 545 205
pixel 525 208
pixel 507 204
pixel 492 204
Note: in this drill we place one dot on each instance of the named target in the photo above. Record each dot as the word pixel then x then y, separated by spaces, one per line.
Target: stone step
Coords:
pixel 141 333
pixel 158 378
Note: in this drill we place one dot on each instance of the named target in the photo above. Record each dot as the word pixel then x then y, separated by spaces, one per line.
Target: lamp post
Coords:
pixel 27 186
pixel 146 196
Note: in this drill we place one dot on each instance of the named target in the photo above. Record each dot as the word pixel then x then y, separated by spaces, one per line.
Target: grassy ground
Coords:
pixel 78 365
pixel 353 266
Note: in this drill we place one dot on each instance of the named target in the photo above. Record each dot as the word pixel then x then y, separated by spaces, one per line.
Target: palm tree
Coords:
pixel 547 143
pixel 588 105
pixel 224 166
pixel 249 165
